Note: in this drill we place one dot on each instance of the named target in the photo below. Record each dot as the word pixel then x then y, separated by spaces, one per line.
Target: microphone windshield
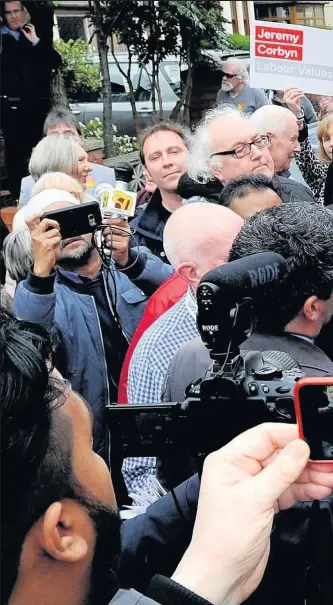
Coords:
pixel 188 188
pixel 124 171
pixel 247 277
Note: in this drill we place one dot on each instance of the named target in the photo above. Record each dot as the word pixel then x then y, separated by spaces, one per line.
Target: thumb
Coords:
pixel 279 475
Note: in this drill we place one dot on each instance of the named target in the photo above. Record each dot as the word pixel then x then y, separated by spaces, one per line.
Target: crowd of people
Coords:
pixel 79 333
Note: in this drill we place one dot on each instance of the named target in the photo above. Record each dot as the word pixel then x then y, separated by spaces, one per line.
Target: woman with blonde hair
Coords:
pixel 60 153
pixel 59 180
pixel 313 169
pixel 52 180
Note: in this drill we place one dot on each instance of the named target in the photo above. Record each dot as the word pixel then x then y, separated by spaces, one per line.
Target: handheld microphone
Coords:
pixel 116 202
pixel 228 295
pixel 124 172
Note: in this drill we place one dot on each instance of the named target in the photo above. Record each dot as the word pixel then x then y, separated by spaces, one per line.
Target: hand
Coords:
pixel 324 104
pixel 30 33
pixel 292 97
pixel 117 238
pixel 257 474
pixel 44 243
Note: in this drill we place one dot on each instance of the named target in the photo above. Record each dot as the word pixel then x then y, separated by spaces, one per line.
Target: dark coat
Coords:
pixel 148 225
pixel 328 195
pixel 26 70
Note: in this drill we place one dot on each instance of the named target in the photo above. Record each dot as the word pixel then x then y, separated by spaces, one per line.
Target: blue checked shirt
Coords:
pixel 148 371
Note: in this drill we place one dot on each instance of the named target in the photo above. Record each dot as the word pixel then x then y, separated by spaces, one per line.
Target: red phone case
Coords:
pixel 315 380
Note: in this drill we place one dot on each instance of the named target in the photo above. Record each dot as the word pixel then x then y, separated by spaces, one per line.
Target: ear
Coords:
pixel 312 309
pixel 218 173
pixel 188 271
pixel 60 537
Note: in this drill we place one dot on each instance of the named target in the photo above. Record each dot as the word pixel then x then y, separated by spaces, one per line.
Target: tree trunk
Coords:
pixel 131 92
pixel 185 89
pixel 96 12
pixel 159 94
pixel 188 84
pixel 187 101
pixel 58 91
pixel 107 97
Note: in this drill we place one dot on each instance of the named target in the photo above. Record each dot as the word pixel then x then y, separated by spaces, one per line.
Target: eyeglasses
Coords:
pixel 225 75
pixel 14 13
pixel 243 150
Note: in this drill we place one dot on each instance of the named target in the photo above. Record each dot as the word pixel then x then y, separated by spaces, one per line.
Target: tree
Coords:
pixel 81 77
pixel 152 30
pixel 99 13
pixel 201 28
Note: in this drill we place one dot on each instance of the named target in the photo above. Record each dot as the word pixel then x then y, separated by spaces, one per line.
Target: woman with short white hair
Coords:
pixel 60 153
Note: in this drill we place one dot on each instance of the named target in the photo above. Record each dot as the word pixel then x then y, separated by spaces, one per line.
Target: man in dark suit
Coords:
pixel 28 60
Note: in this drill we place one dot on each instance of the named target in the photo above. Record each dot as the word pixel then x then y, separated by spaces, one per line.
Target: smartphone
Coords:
pixel 313 400
pixel 76 220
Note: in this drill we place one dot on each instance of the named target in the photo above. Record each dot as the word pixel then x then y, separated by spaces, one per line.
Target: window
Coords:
pixel 71 28
pixel 272 13
pixel 310 14
pixel 120 88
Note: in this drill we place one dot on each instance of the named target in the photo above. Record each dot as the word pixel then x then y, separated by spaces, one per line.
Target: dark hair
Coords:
pixel 36 441
pixel 241 185
pixel 161 127
pixel 303 234
pixel 3 8
pixel 61 115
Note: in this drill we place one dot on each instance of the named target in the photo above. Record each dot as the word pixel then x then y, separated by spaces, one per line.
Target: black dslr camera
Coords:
pixel 242 389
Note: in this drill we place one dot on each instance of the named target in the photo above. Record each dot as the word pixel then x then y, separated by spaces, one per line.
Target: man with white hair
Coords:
pixel 226 145
pixel 282 127
pixel 235 89
pixel 197 238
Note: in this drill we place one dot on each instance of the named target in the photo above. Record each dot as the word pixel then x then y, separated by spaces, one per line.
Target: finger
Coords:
pixel 49 235
pixel 118 245
pixel 260 442
pixel 271 483
pixel 33 221
pixel 46 223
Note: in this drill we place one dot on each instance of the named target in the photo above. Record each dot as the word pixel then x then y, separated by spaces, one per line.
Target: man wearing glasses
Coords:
pixel 235 89
pixel 28 60
pixel 226 145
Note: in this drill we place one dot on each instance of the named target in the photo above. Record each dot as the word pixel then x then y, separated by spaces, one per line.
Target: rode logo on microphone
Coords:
pixel 263 275
pixel 214 328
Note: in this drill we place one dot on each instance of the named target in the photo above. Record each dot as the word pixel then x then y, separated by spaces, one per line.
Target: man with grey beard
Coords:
pixel 235 89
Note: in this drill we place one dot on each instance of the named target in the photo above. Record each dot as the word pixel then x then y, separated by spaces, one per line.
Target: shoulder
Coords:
pixel 100 173
pixel 260 95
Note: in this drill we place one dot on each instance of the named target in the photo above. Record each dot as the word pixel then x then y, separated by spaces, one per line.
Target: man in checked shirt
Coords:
pixel 197 238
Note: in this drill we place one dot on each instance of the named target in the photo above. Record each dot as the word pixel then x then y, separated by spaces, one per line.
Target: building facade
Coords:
pixel 240 14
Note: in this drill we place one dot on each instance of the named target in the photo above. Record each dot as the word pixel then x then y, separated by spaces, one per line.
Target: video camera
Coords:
pixel 242 389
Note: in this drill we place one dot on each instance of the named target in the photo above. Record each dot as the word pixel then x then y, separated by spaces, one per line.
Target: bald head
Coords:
pixel 200 235
pixel 282 127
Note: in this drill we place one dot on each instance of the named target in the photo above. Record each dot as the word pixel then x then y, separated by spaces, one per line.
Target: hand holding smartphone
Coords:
pixel 76 220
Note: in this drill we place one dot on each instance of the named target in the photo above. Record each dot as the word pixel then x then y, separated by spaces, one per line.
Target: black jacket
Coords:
pixel 148 225
pixel 26 69
pixel 328 195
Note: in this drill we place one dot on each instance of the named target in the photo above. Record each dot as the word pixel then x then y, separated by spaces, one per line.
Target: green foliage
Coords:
pixel 81 77
pixel 121 145
pixel 239 42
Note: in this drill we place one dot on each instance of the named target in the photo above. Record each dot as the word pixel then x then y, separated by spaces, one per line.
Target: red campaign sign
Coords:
pixel 276 35
pixel 278 51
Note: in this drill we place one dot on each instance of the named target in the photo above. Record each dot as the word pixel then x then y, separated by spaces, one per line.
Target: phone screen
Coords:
pixel 316 407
